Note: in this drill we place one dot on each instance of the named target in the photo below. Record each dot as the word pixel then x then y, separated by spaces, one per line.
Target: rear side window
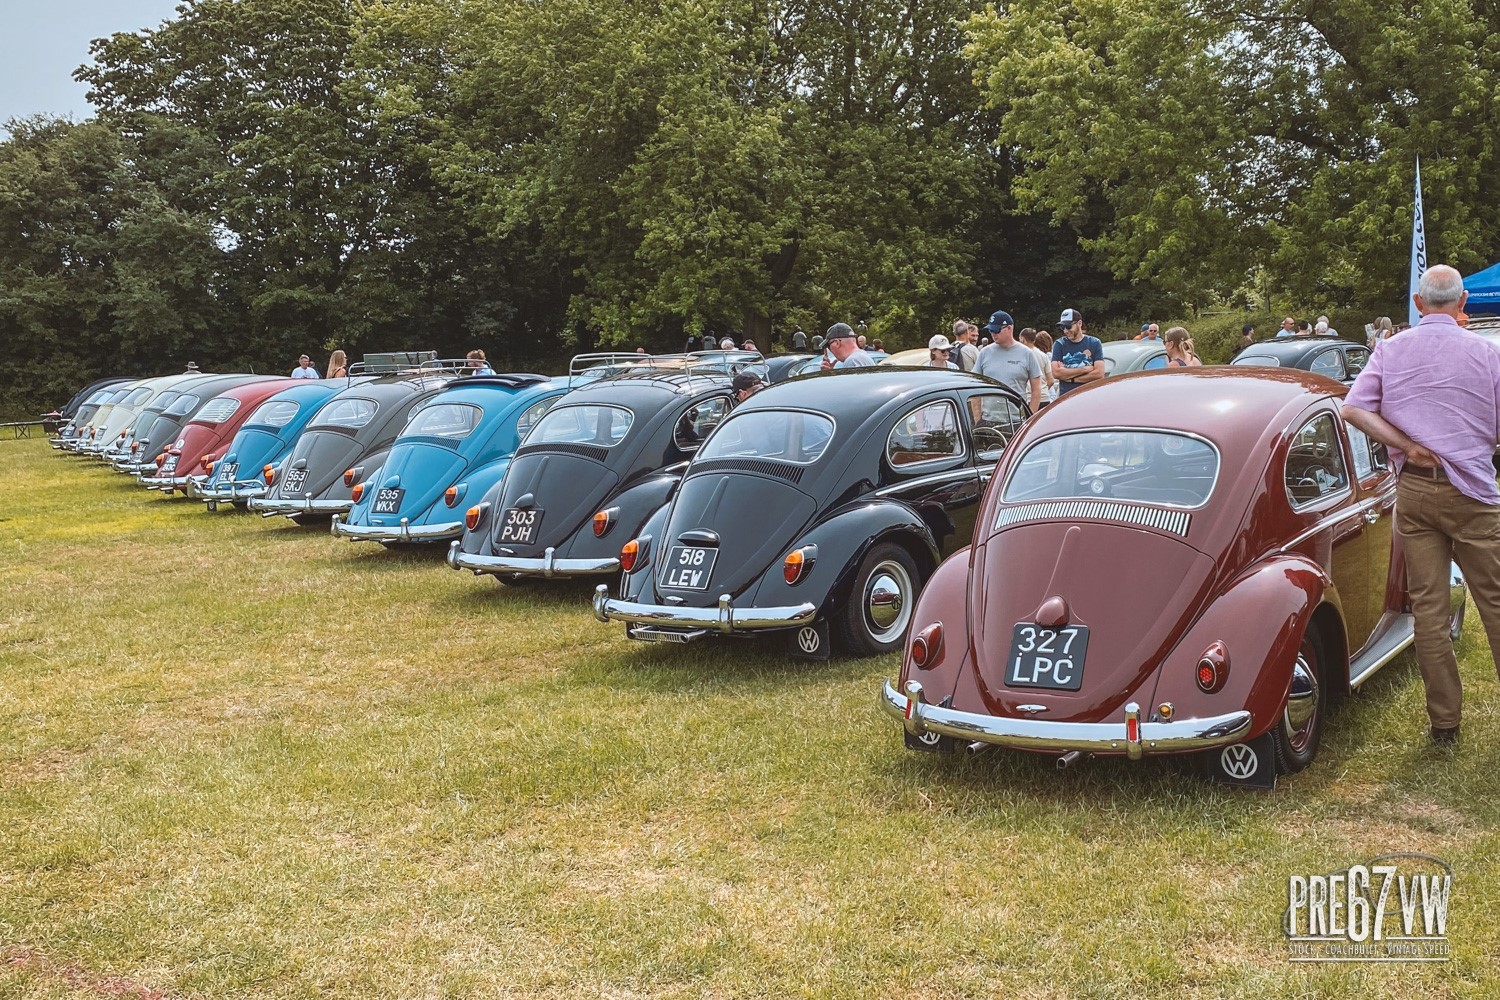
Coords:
pixel 346 414
pixel 1356 358
pixel 1315 463
pixel 526 421
pixel 217 410
pixel 591 424
pixel 927 434
pixel 183 405
pixel 693 426
pixel 995 420
pixel 274 413
pixel 454 421
pixel 1329 363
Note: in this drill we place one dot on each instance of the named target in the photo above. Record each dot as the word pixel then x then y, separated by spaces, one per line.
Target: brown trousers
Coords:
pixel 1439 525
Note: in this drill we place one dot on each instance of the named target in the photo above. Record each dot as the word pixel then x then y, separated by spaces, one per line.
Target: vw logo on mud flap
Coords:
pixel 1239 761
pixel 929 738
pixel 808 640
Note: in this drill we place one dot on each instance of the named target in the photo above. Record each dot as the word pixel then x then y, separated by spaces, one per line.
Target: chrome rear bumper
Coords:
pixel 403 532
pixel 1178 736
pixel 723 618
pixel 549 566
pixel 239 489
pixel 293 508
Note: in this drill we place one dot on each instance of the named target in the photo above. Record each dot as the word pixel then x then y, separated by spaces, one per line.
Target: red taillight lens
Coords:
pixel 472 517
pixel 450 496
pixel 797 562
pixel 1213 668
pixel 268 473
pixel 351 476
pixel 924 648
pixel 207 463
pixel 122 435
pixel 603 521
pixel 135 448
pixel 1132 730
pixel 161 460
pixel 359 491
pixel 629 554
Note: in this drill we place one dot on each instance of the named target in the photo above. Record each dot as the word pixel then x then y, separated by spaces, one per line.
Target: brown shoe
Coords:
pixel 1445 736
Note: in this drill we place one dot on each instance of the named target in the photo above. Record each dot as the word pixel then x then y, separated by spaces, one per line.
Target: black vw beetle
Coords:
pixel 589 473
pixel 818 508
pixel 346 443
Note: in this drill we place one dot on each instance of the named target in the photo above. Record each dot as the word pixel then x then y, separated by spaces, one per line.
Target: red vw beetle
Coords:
pixel 208 433
pixel 1172 562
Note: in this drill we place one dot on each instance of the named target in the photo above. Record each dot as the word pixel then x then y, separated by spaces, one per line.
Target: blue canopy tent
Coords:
pixel 1484 291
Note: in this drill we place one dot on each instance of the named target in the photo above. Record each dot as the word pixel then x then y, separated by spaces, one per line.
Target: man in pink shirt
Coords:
pixel 1432 396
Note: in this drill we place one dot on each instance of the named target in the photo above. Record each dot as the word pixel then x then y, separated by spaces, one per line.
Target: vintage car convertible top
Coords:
pixel 818 508
pixel 1182 561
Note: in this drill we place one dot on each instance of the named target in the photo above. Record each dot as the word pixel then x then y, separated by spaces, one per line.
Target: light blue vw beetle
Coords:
pixel 265 439
pixel 455 446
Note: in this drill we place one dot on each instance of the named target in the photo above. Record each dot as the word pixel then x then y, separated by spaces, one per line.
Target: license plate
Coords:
pixel 388 500
pixel 1047 657
pixel 169 466
pixel 689 567
pixel 294 480
pixel 519 526
pixel 227 472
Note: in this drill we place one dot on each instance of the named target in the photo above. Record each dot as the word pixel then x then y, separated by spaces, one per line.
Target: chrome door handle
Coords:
pixel 1372 515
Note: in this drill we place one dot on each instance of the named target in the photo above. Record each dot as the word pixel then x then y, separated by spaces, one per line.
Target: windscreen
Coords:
pixel 1155 467
pixel 454 421
pixel 785 435
pixel 600 426
pixel 347 414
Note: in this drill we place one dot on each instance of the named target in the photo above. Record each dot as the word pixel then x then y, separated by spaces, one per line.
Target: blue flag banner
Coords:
pixel 1418 249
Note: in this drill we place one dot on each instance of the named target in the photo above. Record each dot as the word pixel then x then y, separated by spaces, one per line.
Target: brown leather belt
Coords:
pixel 1436 474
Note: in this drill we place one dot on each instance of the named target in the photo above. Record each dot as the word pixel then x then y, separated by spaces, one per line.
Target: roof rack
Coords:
pixel 591 367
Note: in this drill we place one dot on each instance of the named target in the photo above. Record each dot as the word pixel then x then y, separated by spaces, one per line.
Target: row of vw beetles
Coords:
pixel 1193 561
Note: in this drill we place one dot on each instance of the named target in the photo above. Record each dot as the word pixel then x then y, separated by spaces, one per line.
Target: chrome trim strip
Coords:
pixel 267 507
pixel 404 532
pixel 1176 736
pixel 549 566
pixel 1329 520
pixel 724 618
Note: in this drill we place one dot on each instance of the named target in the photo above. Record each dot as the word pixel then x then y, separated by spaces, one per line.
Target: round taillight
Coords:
pixel 208 467
pixel 603 520
pixel 268 473
pixel 472 516
pixel 629 554
pixel 359 491
pixel 792 566
pixel 1213 668
pixel 925 646
pixel 350 475
pixel 450 496
pixel 161 460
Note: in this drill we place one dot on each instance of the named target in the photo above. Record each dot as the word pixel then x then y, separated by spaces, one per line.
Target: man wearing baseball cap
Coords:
pixel 842 345
pixel 1010 361
pixel 746 384
pixel 1077 358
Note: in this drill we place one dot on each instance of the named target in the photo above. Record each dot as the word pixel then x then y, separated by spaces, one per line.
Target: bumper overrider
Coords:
pixel 290 507
pixel 695 622
pixel 548 566
pixel 403 532
pixel 239 489
pixel 1130 736
pixel 165 483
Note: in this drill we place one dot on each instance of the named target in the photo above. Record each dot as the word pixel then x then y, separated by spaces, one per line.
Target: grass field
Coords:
pixel 241 758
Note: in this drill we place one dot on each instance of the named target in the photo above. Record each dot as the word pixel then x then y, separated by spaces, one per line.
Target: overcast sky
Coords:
pixel 43 41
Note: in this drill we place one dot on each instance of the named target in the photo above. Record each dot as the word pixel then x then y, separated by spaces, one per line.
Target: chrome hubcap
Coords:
pixel 887 601
pixel 1300 717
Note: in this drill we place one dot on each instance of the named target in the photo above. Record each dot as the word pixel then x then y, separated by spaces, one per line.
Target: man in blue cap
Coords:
pixel 1077 358
pixel 1008 360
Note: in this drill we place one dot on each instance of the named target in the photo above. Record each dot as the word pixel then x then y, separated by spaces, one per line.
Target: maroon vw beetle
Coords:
pixel 1184 561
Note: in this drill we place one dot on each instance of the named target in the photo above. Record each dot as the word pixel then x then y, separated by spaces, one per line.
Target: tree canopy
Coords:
pixel 271 177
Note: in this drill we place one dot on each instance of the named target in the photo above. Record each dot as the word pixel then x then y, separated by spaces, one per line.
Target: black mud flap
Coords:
pixel 810 642
pixel 1245 765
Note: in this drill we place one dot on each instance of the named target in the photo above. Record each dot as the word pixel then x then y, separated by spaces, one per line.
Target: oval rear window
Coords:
pixel 455 421
pixel 782 435
pixel 347 414
pixel 592 424
pixel 1257 359
pixel 182 405
pixel 1152 467
pixel 217 410
pixel 274 413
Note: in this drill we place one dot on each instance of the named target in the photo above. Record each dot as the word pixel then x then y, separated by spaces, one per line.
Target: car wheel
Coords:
pixel 874 619
pixel 1298 732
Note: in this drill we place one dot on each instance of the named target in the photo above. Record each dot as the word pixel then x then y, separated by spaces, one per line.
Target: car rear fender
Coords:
pixel 641 585
pixel 476 484
pixel 1260 620
pixel 636 504
pixel 843 540
pixel 944 600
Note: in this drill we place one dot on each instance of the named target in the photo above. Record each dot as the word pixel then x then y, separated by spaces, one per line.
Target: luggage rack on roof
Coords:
pixel 607 364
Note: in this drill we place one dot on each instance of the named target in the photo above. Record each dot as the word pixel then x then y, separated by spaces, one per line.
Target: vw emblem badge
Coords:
pixel 808 639
pixel 929 739
pixel 1239 761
